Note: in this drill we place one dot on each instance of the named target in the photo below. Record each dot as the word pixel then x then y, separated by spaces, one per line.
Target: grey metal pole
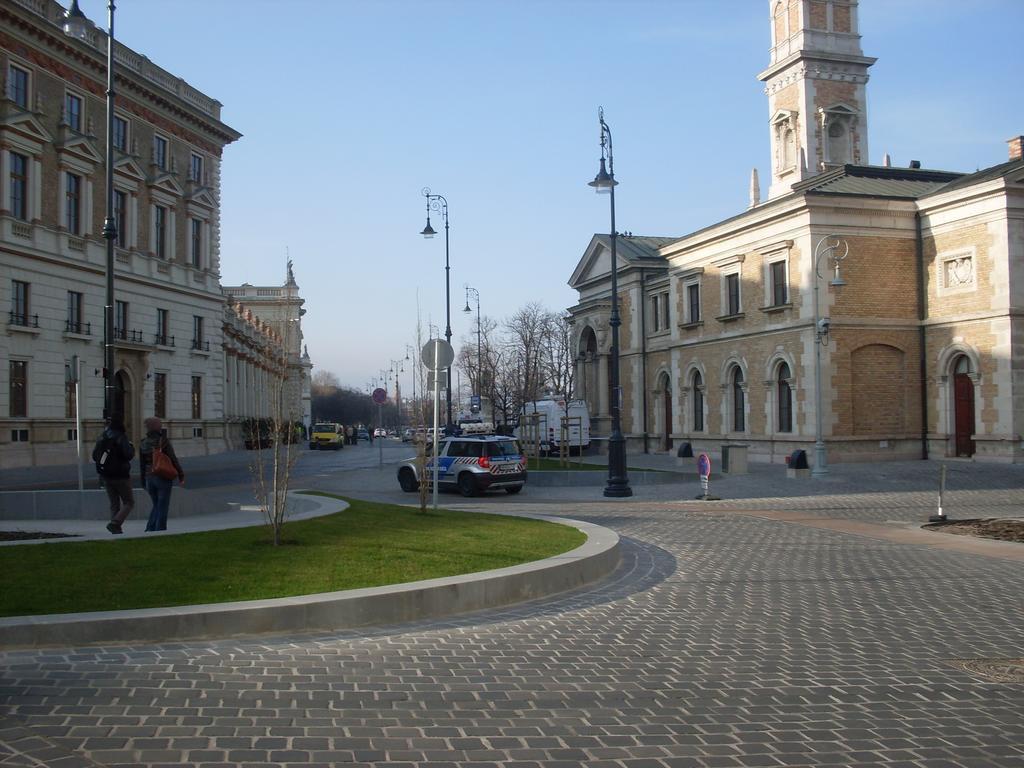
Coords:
pixel 820 459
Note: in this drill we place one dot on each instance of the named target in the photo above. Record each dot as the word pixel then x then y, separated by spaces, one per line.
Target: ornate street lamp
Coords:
pixel 438 204
pixel 821 328
pixel 604 182
pixel 479 353
pixel 76 25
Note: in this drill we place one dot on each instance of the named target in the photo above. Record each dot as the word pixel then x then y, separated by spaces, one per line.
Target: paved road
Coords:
pixel 725 639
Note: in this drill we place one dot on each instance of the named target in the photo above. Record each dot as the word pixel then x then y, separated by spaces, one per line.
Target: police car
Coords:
pixel 472 464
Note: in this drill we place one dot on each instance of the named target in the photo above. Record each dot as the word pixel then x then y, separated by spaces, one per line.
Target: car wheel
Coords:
pixel 467 485
pixel 407 480
pixel 513 490
pixel 312 446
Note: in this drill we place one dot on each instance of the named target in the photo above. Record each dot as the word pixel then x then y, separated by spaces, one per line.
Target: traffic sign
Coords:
pixel 380 396
pixel 704 465
pixel 437 355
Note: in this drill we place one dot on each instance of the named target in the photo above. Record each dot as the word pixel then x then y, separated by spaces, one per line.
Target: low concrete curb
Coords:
pixel 394 604
pixel 561 478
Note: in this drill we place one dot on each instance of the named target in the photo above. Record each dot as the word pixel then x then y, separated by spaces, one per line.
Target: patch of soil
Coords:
pixel 989 528
pixel 27 535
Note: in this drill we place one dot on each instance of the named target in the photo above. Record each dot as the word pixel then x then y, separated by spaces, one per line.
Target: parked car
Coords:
pixel 408 434
pixel 380 432
pixel 362 434
pixel 472 464
pixel 327 436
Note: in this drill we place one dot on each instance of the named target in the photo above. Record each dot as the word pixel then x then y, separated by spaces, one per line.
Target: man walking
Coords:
pixel 113 455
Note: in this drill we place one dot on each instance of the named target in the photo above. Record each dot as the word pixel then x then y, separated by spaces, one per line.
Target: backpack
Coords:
pixel 109 461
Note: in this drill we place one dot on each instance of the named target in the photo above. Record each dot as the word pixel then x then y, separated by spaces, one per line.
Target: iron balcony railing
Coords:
pixel 163 340
pixel 128 334
pixel 203 346
pixel 76 326
pixel 22 319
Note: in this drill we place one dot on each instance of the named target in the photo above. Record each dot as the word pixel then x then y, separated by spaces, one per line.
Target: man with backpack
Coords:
pixel 113 455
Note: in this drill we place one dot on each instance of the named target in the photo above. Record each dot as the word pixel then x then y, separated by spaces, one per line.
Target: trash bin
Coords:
pixel 797 465
pixel 734 459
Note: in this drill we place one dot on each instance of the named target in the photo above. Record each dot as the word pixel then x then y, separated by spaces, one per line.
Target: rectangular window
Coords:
pixel 160 395
pixel 780 294
pixel 197 332
pixel 197 243
pixel 73 111
pixel 160 152
pixel 121 217
pixel 19 388
pixel 17 86
pixel 160 231
pixel 19 302
pixel 74 318
pixel 69 401
pixel 73 207
pixel 121 319
pixel 163 325
pixel 197 397
pixel 732 292
pixel 195 171
pixel 19 186
pixel 120 134
pixel 693 302
pixel 654 313
pixel 664 311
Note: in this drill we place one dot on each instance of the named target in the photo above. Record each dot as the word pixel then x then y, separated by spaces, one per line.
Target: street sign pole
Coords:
pixel 380 440
pixel 437 405
pixel 380 396
pixel 437 356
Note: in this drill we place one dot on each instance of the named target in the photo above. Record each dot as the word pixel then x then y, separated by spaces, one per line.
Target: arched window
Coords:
pixel 785 399
pixel 739 423
pixel 697 393
pixel 788 148
pixel 963 365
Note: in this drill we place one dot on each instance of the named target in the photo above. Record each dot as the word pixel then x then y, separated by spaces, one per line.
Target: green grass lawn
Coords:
pixel 367 545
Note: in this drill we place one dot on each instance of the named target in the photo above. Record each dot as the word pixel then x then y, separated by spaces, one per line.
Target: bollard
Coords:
pixel 940 515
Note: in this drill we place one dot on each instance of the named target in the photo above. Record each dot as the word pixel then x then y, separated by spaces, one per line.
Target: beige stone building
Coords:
pixel 924 350
pixel 173 331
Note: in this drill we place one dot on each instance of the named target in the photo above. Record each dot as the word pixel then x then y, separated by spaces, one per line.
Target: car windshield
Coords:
pixel 323 428
pixel 503 448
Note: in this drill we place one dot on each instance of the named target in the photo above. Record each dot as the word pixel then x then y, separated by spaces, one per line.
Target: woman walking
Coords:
pixel 156 479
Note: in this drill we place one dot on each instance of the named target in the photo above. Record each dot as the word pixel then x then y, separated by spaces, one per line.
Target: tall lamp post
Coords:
pixel 438 204
pixel 410 350
pixel 397 367
pixel 479 354
pixel 831 251
pixel 604 182
pixel 78 26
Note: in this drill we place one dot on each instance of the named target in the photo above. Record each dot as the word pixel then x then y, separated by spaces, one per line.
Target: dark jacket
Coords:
pixel 151 441
pixel 119 465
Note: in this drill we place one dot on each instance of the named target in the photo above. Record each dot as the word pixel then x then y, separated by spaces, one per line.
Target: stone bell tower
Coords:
pixel 816 86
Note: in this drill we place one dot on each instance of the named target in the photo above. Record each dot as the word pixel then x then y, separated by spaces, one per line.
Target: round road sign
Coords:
pixel 704 465
pixel 437 355
pixel 380 396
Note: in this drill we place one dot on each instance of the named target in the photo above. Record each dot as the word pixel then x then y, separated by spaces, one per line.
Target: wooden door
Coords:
pixel 963 397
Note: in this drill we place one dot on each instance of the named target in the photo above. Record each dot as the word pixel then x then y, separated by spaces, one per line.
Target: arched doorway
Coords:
pixel 963 406
pixel 587 389
pixel 665 386
pixel 123 401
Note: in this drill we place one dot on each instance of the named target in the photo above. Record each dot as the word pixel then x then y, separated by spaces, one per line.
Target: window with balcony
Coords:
pixel 19 186
pixel 198 342
pixel 121 218
pixel 163 325
pixel 19 303
pixel 121 320
pixel 73 322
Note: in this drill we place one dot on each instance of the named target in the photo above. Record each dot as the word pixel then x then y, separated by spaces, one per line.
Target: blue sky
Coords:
pixel 349 109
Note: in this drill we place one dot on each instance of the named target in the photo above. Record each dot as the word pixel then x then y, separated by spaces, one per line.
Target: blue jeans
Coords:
pixel 160 492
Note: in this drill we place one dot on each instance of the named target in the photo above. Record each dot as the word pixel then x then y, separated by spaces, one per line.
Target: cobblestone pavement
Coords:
pixel 722 640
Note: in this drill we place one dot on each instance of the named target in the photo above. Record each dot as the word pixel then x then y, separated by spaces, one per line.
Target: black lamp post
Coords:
pixel 439 204
pixel 479 353
pixel 604 182
pixel 78 26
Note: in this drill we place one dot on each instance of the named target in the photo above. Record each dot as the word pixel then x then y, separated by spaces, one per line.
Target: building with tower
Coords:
pixel 921 349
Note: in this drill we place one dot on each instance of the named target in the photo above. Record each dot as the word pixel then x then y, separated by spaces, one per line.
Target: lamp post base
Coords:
pixel 617 490
pixel 618 481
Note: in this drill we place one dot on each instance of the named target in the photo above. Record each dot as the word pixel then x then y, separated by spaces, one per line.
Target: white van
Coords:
pixel 542 421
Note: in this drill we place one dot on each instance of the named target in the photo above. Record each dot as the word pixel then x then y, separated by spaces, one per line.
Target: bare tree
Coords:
pixel 526 331
pixel 559 365
pixel 274 437
pixel 324 383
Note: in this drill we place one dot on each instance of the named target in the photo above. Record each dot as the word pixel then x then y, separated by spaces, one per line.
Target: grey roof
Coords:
pixel 1014 169
pixel 636 247
pixel 878 181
